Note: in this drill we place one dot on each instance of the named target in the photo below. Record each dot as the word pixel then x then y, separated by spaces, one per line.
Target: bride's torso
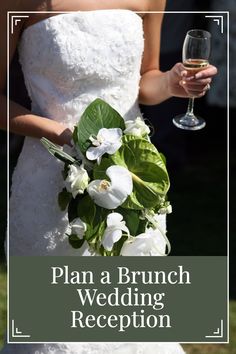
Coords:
pixel 72 58
pixel 68 60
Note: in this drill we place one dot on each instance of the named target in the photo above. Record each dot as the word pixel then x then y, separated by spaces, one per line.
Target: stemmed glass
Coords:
pixel 195 55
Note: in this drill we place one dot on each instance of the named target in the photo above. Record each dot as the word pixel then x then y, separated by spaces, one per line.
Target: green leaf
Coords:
pixel 64 198
pixel 117 247
pixel 141 227
pixel 89 233
pixel 72 207
pixel 99 230
pixel 75 135
pixel 131 218
pixel 97 115
pixel 150 177
pixel 99 171
pixel 94 216
pixel 99 223
pixel 75 242
pixel 163 158
pixel 86 210
pixel 57 151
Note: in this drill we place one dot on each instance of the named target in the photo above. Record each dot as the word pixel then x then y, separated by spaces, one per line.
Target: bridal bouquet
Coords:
pixel 115 184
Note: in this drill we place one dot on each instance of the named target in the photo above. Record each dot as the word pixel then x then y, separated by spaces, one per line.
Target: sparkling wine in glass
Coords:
pixel 196 52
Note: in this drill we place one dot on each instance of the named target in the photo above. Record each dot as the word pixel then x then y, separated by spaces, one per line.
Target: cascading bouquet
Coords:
pixel 116 184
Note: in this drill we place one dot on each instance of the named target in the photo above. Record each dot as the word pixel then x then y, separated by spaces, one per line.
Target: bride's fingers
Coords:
pixel 210 71
pixel 180 70
pixel 192 80
pixel 195 90
pixel 196 87
pixel 207 73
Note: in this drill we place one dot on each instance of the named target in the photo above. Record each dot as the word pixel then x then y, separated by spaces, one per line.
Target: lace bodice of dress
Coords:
pixel 70 59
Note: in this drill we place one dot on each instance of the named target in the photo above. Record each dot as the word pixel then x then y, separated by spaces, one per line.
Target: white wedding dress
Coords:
pixel 69 60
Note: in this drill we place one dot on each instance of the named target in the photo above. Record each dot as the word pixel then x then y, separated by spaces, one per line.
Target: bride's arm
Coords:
pixel 21 120
pixel 157 86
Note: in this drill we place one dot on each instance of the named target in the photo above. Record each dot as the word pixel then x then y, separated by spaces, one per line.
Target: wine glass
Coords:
pixel 196 52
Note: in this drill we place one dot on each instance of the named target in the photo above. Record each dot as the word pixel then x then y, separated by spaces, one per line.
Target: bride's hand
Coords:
pixel 182 85
pixel 64 136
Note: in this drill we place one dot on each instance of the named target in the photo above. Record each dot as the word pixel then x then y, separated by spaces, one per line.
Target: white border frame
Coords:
pixel 8 189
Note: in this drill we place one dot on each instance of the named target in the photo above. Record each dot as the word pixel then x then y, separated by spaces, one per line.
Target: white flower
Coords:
pixel 107 141
pixel 111 194
pixel 78 227
pixel 165 210
pixel 136 127
pixel 113 232
pixel 77 180
pixel 150 243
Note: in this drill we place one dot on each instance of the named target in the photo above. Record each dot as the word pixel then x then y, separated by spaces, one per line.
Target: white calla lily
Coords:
pixel 136 127
pixel 115 228
pixel 77 180
pixel 150 243
pixel 78 227
pixel 107 141
pixel 111 194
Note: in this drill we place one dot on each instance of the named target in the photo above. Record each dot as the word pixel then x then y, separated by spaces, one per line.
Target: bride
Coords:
pixel 88 49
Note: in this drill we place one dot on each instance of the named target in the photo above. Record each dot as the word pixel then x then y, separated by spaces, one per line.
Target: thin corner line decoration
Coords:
pixel 15 19
pixel 15 333
pixel 219 332
pixel 219 21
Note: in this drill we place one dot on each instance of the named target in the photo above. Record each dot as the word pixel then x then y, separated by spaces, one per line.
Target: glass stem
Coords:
pixel 190 107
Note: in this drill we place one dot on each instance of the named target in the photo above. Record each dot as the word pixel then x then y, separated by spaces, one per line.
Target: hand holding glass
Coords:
pixel 196 52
